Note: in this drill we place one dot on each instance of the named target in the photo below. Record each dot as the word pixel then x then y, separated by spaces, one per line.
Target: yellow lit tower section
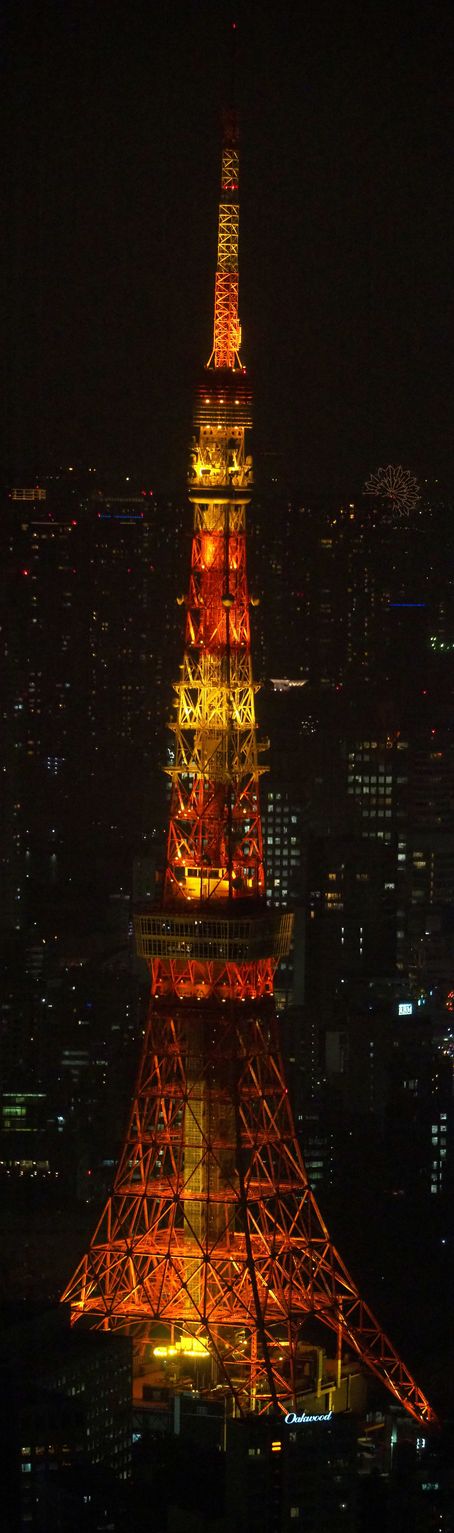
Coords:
pixel 214 848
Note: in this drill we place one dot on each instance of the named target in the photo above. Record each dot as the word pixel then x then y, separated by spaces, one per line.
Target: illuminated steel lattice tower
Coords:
pixel 212 1241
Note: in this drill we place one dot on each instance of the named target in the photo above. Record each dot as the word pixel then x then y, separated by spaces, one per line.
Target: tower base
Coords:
pixel 212 1243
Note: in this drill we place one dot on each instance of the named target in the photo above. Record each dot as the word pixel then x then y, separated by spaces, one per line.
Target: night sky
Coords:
pixel 346 232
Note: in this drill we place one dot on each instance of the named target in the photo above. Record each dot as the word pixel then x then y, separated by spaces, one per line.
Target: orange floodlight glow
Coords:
pixel 212 1232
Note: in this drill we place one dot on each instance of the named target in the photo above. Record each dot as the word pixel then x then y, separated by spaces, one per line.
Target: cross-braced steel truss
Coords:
pixel 212 1231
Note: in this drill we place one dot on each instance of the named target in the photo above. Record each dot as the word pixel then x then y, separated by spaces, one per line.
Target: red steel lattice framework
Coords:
pixel 211 1242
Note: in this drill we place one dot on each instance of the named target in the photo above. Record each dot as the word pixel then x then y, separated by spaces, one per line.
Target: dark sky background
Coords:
pixel 346 231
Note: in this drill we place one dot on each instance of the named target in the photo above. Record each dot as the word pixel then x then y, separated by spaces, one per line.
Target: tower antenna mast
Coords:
pixel 227 329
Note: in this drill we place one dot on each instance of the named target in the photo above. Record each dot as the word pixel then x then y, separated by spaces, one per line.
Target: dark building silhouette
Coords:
pixel 67 1405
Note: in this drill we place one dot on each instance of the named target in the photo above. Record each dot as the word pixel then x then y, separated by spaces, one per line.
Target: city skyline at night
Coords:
pixel 227 728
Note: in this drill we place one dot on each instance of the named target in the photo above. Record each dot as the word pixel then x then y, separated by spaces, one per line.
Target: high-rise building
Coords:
pixel 89 642
pixel 67 1411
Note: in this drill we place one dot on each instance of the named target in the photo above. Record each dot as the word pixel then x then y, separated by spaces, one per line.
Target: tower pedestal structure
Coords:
pixel 211 1243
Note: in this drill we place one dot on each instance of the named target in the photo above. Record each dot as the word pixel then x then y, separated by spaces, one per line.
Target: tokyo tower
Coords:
pixel 211 1242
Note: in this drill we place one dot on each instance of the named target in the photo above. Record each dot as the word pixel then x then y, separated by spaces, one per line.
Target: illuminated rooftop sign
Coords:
pixel 35 493
pixel 284 684
pixel 296 1421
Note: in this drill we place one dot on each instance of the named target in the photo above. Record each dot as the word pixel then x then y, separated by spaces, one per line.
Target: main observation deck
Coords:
pixel 201 935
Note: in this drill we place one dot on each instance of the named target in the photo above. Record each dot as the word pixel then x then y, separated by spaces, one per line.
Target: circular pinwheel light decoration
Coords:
pixel 395 487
